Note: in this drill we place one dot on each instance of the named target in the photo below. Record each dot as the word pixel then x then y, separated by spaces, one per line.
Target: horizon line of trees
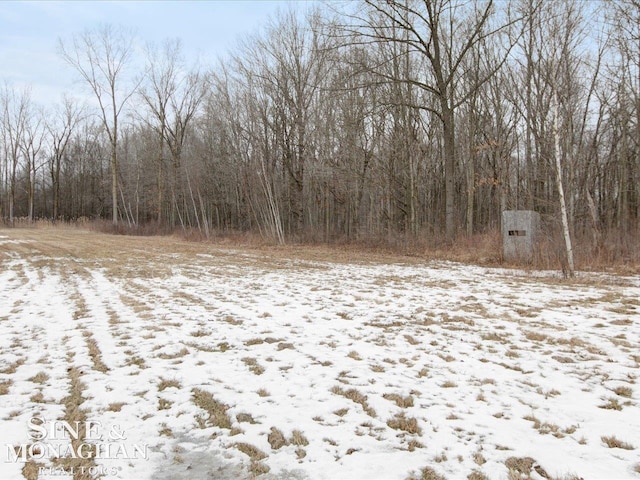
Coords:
pixel 412 117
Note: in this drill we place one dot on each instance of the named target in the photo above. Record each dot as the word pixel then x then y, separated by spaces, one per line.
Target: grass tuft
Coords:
pixel 217 411
pixel 253 365
pixel 406 424
pixel 31 470
pixel 477 475
pixel 355 396
pixel 94 353
pixel 298 438
pixel 612 404
pixel 165 383
pixel 262 392
pixel 276 439
pixel 254 453
pixel 116 406
pixel 354 355
pixel 427 473
pixel 519 466
pixel 613 442
pixel 40 378
pixel 402 402
pixel 623 391
pixel 4 386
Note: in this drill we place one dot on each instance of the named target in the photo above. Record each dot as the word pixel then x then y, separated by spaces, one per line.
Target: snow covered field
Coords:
pixel 195 361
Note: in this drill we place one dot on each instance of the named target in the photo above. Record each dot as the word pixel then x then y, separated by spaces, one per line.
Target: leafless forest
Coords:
pixel 378 121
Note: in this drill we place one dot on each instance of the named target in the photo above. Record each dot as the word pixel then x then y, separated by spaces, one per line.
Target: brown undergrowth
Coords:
pixel 615 253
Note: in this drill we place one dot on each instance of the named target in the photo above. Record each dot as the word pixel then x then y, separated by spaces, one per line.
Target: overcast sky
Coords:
pixel 29 32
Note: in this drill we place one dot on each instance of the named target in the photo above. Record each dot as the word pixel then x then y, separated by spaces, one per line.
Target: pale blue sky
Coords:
pixel 29 32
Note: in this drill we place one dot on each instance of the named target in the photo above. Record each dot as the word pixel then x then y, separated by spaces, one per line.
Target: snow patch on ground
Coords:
pixel 368 371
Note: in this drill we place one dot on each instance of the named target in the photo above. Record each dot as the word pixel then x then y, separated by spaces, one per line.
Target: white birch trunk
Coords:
pixel 563 205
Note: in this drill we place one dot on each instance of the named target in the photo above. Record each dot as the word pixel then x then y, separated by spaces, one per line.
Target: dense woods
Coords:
pixel 383 120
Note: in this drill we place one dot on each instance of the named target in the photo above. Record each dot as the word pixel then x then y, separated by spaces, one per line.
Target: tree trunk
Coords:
pixel 449 169
pixel 563 206
pixel 471 174
pixel 114 182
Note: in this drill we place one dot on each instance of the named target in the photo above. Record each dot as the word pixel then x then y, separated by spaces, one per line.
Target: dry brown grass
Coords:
pixel 413 444
pixel 285 346
pixel 477 475
pixel 217 411
pixel 13 367
pixel 256 468
pixel 232 321
pixel 135 360
pixel 493 337
pixel 245 418
pixel 253 365
pixel 262 392
pixel 406 424
pixel 72 414
pixel 94 352
pixel 427 473
pixel 276 439
pixel 254 453
pixel 164 383
pixel 613 442
pixel 612 404
pixel 116 406
pixel 411 340
pixel 519 466
pixel 37 397
pixel 545 428
pixel 183 352
pixel 30 471
pixel 200 333
pixel 623 391
pixel 354 355
pixel 479 459
pixel 535 336
pixel 40 377
pixel 298 438
pixel 402 402
pixel 355 396
pixel 480 249
pixel 4 386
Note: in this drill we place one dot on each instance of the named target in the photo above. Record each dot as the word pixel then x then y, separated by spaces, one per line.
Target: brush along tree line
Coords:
pixel 404 117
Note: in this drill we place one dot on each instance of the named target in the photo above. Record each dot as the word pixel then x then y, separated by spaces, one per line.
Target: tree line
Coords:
pixel 424 118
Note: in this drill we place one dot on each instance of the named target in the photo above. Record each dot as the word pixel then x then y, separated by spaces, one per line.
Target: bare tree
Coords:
pixel 101 57
pixel 15 111
pixel 444 33
pixel 61 126
pixel 402 117
pixel 31 146
pixel 291 59
pixel 173 95
pixel 559 183
pixel 624 25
